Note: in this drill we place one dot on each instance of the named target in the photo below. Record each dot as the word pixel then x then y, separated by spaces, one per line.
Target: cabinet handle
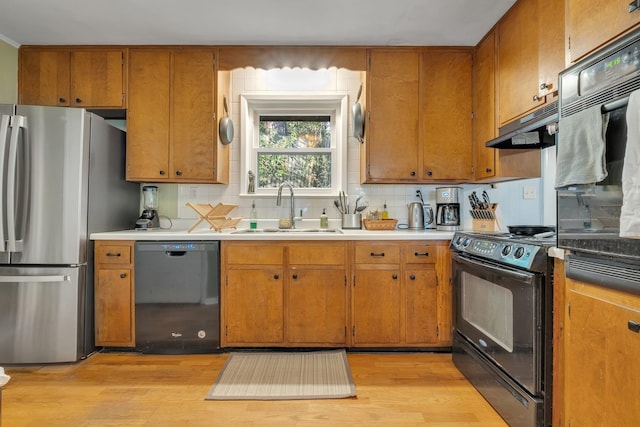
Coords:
pixel 295 277
pixel 536 98
pixel 112 254
pixel 161 172
pixel 178 173
pixel 377 254
pixel 421 254
pixel 488 170
pixel 78 100
pixel 412 277
pixel 62 100
pixel 413 173
pixel 634 5
pixel 123 275
pixel 275 276
pixel 394 277
pixel 633 326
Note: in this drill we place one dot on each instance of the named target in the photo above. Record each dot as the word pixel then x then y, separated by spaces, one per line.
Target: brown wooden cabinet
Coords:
pixel 401 294
pixel 445 115
pixel 415 97
pixel 284 294
pixel 171 121
pixel 530 57
pixel 75 77
pixel 114 294
pixel 491 164
pixel 593 23
pixel 601 344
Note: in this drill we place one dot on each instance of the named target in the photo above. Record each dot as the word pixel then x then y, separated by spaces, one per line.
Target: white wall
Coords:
pixel 8 73
pixel 514 207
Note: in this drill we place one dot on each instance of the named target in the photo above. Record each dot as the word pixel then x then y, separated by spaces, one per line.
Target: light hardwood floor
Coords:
pixel 110 389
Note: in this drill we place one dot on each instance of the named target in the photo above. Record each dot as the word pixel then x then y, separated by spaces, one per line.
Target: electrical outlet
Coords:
pixel 528 192
pixel 193 192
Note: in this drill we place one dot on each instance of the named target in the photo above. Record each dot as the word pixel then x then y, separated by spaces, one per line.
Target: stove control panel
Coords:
pixel 514 253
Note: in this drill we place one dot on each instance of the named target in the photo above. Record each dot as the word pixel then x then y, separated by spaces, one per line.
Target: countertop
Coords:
pixel 178 231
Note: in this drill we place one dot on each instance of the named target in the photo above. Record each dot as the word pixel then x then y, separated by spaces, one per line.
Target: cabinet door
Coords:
pixel 114 308
pixel 97 78
pixel 44 77
pixel 551 46
pixel 316 306
pixel 518 61
pixel 484 107
pixel 391 146
pixel 601 357
pixel 445 106
pixel 192 116
pixel 257 300
pixel 376 306
pixel 422 306
pixel 148 115
pixel 592 23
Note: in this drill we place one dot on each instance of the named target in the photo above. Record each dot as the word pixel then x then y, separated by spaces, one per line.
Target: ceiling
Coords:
pixel 250 22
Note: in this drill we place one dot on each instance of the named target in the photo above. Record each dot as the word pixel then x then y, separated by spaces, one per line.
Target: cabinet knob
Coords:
pixel 62 100
pixel 633 326
pixel 161 172
pixel 536 98
pixel 295 277
pixel 394 277
pixel 275 276
pixel 488 170
pixel 78 100
pixel 429 173
pixel 178 173
pixel 123 275
pixel 413 173
pixel 412 277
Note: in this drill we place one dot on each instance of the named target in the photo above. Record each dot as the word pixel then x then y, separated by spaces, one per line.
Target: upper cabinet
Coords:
pixel 415 97
pixel 530 56
pixel 76 77
pixel 592 23
pixel 171 120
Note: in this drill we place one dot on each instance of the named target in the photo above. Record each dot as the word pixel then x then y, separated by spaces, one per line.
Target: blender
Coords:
pixel 149 218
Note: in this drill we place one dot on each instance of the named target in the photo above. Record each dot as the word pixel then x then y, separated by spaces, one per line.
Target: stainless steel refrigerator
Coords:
pixel 62 178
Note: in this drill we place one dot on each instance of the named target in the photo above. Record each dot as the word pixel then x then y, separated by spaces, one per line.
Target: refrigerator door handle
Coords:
pixel 34 279
pixel 17 123
pixel 4 130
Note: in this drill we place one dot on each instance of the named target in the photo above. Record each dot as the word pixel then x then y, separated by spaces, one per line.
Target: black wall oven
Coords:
pixel 502 287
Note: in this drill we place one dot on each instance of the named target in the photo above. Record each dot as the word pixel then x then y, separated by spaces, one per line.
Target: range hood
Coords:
pixel 536 130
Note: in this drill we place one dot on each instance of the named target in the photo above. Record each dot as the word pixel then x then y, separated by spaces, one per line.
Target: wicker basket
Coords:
pixel 380 224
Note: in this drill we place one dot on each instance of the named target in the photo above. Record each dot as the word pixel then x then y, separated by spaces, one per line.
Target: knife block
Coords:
pixel 492 222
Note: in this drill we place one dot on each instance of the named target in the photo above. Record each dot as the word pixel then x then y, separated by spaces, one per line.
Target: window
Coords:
pixel 300 139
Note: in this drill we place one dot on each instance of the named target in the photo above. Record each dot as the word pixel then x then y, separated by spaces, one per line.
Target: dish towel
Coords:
pixel 630 212
pixel 581 148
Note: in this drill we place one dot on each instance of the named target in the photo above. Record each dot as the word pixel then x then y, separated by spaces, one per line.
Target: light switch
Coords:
pixel 528 192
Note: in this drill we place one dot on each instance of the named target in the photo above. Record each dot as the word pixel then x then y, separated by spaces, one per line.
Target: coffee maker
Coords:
pixel 448 208
pixel 149 218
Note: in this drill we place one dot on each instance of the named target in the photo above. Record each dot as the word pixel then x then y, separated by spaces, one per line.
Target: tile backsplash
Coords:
pixel 537 208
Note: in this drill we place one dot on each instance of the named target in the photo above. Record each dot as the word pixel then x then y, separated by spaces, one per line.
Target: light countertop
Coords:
pixel 269 231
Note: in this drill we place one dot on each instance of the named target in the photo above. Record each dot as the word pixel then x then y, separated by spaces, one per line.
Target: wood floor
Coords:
pixel 110 389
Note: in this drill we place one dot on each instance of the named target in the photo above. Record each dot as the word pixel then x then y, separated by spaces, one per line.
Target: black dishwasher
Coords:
pixel 177 295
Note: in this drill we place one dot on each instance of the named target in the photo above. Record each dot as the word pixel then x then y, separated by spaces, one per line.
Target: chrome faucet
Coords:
pixel 279 203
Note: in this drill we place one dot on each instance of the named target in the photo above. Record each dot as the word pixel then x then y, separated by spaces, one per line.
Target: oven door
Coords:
pixel 499 311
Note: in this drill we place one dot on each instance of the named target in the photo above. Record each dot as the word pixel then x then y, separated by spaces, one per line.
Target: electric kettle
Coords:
pixel 416 216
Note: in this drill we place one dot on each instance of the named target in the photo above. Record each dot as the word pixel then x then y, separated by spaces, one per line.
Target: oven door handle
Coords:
pixel 483 264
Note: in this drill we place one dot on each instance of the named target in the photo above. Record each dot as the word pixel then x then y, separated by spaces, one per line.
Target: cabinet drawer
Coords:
pixel 420 254
pixel 377 253
pixel 317 253
pixel 263 254
pixel 113 254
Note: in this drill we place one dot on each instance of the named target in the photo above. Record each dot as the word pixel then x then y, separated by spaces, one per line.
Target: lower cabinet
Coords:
pixel 601 347
pixel 401 294
pixel 284 293
pixel 114 294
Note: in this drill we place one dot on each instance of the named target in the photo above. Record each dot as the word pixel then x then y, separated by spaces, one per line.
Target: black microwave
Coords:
pixel 589 215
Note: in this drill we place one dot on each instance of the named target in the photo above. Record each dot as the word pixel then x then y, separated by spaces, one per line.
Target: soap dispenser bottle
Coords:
pixel 324 220
pixel 253 216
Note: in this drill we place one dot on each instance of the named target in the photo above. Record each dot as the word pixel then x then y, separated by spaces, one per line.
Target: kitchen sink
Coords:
pixel 287 230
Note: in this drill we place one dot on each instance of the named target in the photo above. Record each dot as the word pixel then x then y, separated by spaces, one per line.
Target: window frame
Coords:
pixel 334 105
